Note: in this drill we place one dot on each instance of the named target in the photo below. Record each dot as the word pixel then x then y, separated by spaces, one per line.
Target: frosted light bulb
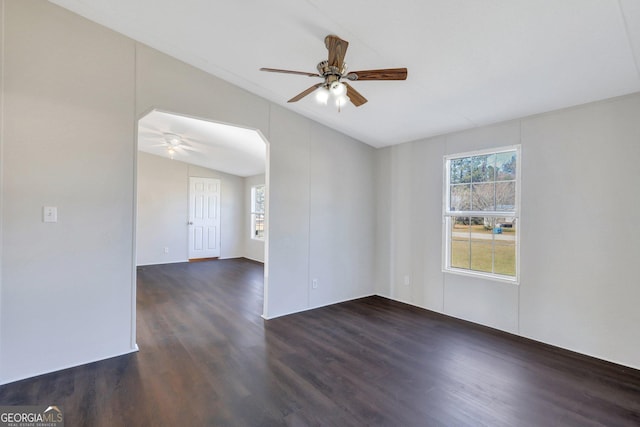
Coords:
pixel 322 96
pixel 338 89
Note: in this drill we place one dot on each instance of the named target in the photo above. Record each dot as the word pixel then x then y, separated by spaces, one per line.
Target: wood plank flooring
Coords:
pixel 207 358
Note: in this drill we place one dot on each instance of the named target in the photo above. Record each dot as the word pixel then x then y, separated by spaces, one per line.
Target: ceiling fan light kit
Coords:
pixel 334 73
pixel 173 141
pixel 337 92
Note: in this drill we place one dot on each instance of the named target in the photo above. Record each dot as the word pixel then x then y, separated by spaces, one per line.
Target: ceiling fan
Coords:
pixel 172 142
pixel 334 73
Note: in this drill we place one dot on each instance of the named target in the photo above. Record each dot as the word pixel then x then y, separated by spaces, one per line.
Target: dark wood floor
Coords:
pixel 207 358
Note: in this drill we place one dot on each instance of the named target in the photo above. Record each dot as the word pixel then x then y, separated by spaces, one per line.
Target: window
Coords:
pixel 481 213
pixel 257 212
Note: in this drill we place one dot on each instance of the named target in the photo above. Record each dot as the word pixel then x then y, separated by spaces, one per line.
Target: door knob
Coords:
pixel 190 223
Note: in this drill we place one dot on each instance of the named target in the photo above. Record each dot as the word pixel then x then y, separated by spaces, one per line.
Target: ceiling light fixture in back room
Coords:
pixel 173 141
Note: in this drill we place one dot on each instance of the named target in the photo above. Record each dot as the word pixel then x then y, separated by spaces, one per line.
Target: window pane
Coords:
pixel 482 255
pixel 258 226
pixel 460 170
pixel 460 199
pixel 483 168
pixel 460 230
pixel 506 196
pixel 506 166
pixel 482 244
pixel 482 197
pixel 258 199
pixel 505 248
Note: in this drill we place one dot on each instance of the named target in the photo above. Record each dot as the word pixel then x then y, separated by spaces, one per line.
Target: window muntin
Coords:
pixel 481 211
pixel 257 212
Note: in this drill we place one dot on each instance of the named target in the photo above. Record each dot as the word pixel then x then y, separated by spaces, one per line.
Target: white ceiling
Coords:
pixel 470 62
pixel 218 146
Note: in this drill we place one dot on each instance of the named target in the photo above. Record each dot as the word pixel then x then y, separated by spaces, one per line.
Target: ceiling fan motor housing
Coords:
pixel 331 73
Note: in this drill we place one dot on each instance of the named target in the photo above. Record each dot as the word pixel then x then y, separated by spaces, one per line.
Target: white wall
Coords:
pixel 583 294
pixel 72 94
pixel 163 191
pixel 253 248
pixel 579 244
pixel 341 222
pixel 67 141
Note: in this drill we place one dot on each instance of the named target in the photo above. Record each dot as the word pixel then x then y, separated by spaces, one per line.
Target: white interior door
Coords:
pixel 204 218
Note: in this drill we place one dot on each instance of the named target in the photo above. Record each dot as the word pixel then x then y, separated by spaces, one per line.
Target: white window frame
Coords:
pixel 255 213
pixel 447 216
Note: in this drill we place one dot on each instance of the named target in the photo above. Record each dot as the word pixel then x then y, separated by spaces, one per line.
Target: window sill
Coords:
pixel 480 275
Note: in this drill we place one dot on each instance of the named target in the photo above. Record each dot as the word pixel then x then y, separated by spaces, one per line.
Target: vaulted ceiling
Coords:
pixel 470 62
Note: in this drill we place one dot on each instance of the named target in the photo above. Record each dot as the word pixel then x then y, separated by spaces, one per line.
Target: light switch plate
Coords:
pixel 49 214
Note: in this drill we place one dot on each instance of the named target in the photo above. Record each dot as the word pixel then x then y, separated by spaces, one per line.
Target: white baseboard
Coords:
pixel 314 307
pixel 62 368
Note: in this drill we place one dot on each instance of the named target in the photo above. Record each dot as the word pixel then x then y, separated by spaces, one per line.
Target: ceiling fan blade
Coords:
pixel 301 95
pixel 302 73
pixel 337 50
pixel 383 74
pixel 354 96
pixel 187 148
pixel 150 133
